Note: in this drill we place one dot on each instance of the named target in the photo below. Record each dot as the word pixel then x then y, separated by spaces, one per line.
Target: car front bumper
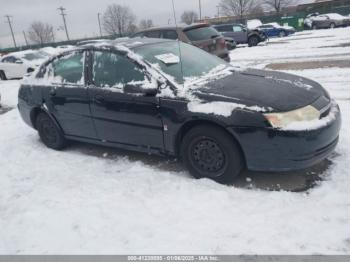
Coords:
pixel 269 149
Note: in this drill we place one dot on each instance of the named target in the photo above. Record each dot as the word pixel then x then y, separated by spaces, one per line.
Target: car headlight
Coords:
pixel 282 120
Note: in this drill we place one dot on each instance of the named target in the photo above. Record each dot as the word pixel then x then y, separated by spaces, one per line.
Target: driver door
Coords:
pixel 123 117
pixel 239 34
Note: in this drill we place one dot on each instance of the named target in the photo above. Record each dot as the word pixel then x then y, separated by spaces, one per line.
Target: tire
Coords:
pixel 2 75
pixel 50 134
pixel 314 27
pixel 209 152
pixel 253 41
pixel 332 25
pixel 282 34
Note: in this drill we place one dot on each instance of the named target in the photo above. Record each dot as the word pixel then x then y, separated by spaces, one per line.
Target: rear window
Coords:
pixel 201 33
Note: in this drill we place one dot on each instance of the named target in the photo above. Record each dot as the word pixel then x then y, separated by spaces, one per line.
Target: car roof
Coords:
pixel 129 43
pixel 231 24
pixel 173 27
pixel 21 54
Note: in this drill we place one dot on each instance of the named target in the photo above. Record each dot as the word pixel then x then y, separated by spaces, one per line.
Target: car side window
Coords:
pixel 224 28
pixel 9 59
pixel 237 28
pixel 170 34
pixel 114 70
pixel 69 68
pixel 140 34
pixel 152 34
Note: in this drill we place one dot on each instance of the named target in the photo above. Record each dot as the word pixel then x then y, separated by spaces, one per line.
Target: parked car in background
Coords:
pixel 201 35
pixel 276 30
pixel 16 65
pixel 242 34
pixel 308 20
pixel 148 96
pixel 323 21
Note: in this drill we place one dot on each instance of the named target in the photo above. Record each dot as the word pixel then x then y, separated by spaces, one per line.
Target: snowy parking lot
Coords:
pixel 94 200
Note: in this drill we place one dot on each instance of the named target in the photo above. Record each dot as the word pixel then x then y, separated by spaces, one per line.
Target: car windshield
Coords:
pixel 195 63
pixel 34 56
pixel 201 33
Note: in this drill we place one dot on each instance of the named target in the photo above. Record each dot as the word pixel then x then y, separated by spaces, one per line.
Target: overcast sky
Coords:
pixel 82 14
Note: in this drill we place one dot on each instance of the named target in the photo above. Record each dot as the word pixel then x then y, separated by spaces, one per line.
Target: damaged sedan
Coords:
pixel 169 98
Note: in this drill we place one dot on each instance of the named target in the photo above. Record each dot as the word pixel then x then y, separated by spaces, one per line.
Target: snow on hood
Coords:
pixel 297 82
pixel 254 23
pixel 220 108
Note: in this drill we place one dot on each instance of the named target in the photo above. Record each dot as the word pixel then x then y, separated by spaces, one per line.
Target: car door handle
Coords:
pixel 98 99
pixel 52 92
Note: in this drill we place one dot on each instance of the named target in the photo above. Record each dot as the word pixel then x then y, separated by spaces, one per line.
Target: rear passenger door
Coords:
pixel 66 95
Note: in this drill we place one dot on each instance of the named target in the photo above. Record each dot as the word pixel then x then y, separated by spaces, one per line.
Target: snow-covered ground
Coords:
pixel 82 200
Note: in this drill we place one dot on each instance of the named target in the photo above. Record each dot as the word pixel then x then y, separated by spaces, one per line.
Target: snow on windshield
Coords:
pixel 221 108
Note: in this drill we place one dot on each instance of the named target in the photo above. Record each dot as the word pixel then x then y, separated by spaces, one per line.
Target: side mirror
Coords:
pixel 138 89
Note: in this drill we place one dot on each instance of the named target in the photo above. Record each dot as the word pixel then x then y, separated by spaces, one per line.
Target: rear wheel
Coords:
pixel 314 27
pixel 2 75
pixel 332 25
pixel 49 132
pixel 253 41
pixel 209 152
pixel 282 34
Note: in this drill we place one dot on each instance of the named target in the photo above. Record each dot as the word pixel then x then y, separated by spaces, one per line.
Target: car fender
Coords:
pixel 44 108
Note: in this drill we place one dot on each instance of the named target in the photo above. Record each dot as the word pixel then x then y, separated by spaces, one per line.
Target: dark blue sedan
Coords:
pixel 275 30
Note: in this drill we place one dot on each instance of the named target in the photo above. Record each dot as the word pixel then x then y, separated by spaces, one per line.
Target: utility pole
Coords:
pixel 218 7
pixel 99 23
pixel 10 24
pixel 200 9
pixel 53 36
pixel 62 9
pixel 25 38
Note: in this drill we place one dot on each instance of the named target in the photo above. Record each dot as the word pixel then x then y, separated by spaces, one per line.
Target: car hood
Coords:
pixel 272 90
pixel 35 63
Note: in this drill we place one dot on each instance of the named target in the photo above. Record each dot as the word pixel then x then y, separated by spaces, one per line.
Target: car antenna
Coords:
pixel 178 43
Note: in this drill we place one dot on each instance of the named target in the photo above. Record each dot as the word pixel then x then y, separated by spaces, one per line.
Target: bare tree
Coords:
pixel 40 33
pixel 239 8
pixel 278 5
pixel 189 17
pixel 118 19
pixel 146 23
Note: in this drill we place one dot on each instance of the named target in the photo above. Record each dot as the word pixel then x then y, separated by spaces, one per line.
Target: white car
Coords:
pixel 16 65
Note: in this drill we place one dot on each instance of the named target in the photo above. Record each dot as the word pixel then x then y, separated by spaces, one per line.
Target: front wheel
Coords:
pixel 332 25
pixel 2 75
pixel 253 41
pixel 282 34
pixel 49 132
pixel 210 152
